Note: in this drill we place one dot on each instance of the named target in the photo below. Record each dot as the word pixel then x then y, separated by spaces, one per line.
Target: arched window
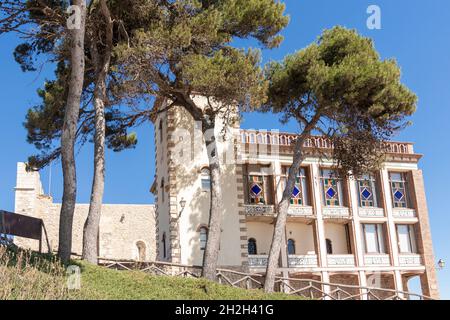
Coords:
pixel 206 179
pixel 252 249
pixel 203 237
pixel 160 131
pixel 291 246
pixel 329 246
pixel 164 245
pixel 141 247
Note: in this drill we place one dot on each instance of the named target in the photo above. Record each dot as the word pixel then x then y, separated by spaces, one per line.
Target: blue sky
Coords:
pixel 415 32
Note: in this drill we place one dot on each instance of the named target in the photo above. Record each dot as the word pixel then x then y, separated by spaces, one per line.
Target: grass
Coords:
pixel 26 275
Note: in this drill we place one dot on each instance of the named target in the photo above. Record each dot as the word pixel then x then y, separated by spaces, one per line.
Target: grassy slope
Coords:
pixel 101 283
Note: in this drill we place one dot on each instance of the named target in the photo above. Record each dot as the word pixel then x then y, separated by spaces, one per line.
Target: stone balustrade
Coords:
pixel 300 211
pixel 412 259
pixel 259 210
pixel 301 261
pixel 371 212
pixel 377 260
pixel 341 260
pixel 403 213
pixel 287 139
pixel 258 261
pixel 336 212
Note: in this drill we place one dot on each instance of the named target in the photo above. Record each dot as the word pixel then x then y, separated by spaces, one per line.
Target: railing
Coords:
pixel 256 261
pixel 302 261
pixel 410 259
pixel 259 210
pixel 300 211
pixel 336 212
pixel 341 260
pixel 288 139
pixel 307 288
pixel 269 210
pixel 403 213
pixel 371 212
pixel 377 260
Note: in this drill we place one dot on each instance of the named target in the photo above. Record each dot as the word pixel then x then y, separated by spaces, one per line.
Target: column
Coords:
pixel 320 227
pixel 363 283
pixel 398 283
pixel 359 252
pixel 276 171
pixel 391 236
pixel 429 278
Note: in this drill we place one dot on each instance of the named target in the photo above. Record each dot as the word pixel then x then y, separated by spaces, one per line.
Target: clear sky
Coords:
pixel 415 32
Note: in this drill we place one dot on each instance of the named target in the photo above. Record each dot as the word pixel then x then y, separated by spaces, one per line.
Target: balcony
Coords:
pixel 380 260
pixel 368 212
pixel 282 140
pixel 303 261
pixel 255 210
pixel 336 213
pixel 300 211
pixel 294 261
pixel 403 213
pixel 341 260
pixel 258 261
pixel 407 260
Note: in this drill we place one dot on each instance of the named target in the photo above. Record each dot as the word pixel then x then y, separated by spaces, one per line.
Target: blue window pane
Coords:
pixel 366 193
pixel 296 192
pixel 256 189
pixel 398 195
pixel 331 192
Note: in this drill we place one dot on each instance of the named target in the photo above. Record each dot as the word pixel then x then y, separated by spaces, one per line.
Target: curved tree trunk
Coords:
pixel 283 207
pixel 91 226
pixel 68 136
pixel 211 256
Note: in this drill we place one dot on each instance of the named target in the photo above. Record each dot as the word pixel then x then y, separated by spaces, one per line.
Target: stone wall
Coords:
pixel 122 226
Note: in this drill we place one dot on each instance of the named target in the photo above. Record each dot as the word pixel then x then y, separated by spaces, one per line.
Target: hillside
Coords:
pixel 26 275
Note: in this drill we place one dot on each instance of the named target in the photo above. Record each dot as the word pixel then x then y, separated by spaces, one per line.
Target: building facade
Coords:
pixel 347 231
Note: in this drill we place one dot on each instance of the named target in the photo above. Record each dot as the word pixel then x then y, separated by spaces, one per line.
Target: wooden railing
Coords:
pixel 307 288
pixel 319 142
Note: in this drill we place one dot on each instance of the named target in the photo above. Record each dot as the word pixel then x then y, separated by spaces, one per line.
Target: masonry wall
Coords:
pixel 121 226
pixel 186 157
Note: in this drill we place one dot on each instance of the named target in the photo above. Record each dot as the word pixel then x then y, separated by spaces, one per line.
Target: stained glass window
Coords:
pixel 300 191
pixel 399 189
pixel 291 246
pixel 257 192
pixel 332 187
pixel 252 246
pixel 367 191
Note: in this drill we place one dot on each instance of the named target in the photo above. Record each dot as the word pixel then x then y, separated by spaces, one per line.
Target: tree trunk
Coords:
pixel 68 136
pixel 280 224
pixel 91 226
pixel 211 256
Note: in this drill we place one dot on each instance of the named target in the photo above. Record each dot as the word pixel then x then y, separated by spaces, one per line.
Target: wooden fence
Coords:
pixel 307 288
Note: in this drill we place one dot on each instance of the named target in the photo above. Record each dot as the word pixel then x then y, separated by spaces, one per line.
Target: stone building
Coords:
pixel 126 231
pixel 338 230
